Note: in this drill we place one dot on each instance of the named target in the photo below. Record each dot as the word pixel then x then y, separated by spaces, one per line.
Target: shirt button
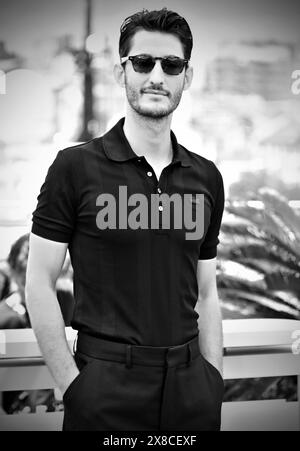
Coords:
pixel 159 190
pixel 160 208
pixel 149 173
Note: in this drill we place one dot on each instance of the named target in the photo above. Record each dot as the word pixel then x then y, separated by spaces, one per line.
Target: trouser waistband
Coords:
pixel 99 348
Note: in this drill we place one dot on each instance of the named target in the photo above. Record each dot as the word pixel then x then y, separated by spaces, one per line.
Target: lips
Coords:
pixel 155 92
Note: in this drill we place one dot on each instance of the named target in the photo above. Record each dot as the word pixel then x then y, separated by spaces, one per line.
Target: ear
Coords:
pixel 119 75
pixel 188 77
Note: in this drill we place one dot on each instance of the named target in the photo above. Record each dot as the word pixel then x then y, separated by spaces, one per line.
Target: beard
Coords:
pixel 153 111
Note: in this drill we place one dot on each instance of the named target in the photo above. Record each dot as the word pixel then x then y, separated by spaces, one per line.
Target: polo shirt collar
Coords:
pixel 117 148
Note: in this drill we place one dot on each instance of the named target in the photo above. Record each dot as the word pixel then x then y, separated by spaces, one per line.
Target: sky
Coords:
pixel 24 22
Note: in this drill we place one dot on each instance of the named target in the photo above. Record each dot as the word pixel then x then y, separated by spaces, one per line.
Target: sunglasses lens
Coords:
pixel 143 64
pixel 172 66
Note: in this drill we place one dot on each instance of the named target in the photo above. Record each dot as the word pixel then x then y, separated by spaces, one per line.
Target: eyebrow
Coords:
pixel 149 54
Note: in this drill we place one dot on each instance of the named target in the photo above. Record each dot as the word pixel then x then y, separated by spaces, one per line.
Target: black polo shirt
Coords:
pixel 137 286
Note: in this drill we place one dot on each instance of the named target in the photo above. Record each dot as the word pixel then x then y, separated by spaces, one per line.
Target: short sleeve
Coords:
pixel 55 214
pixel 209 245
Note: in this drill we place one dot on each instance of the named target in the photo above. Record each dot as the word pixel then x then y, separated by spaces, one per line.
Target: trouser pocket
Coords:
pixel 212 383
pixel 193 397
pixel 78 398
pixel 214 371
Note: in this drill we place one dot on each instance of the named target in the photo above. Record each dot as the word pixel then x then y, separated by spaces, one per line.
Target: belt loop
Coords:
pixel 166 363
pixel 189 354
pixel 128 357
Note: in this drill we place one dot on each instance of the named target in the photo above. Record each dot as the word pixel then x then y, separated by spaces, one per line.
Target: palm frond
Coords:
pixel 279 204
pixel 258 271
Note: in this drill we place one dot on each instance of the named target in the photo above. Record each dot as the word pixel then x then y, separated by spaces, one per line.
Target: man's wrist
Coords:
pixel 71 377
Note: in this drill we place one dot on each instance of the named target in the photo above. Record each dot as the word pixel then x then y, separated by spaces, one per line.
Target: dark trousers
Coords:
pixel 142 388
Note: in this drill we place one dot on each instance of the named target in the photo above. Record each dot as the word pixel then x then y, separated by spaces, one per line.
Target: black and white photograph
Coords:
pixel 149 218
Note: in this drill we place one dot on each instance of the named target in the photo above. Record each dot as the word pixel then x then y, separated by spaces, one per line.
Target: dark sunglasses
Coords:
pixel 171 65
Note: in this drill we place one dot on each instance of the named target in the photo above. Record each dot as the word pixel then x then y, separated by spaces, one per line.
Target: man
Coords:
pixel 135 287
pixel 13 314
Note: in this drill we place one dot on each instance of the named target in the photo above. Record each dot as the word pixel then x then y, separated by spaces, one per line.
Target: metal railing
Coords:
pixel 252 348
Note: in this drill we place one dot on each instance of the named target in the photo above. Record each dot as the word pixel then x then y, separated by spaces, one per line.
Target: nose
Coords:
pixel 157 74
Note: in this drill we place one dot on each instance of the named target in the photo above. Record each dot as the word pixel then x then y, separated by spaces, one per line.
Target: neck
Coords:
pixel 149 137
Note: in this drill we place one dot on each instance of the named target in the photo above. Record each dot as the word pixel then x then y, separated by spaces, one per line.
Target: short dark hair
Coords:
pixel 17 258
pixel 162 20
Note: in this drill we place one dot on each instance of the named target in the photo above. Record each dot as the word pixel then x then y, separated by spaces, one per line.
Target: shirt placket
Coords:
pixel 157 187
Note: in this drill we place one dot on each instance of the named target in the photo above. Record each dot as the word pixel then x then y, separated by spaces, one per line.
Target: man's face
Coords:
pixel 155 94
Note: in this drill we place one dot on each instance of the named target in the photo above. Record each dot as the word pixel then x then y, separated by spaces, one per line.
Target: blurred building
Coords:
pixel 65 43
pixel 296 56
pixel 255 67
pixel 9 61
pixel 108 96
